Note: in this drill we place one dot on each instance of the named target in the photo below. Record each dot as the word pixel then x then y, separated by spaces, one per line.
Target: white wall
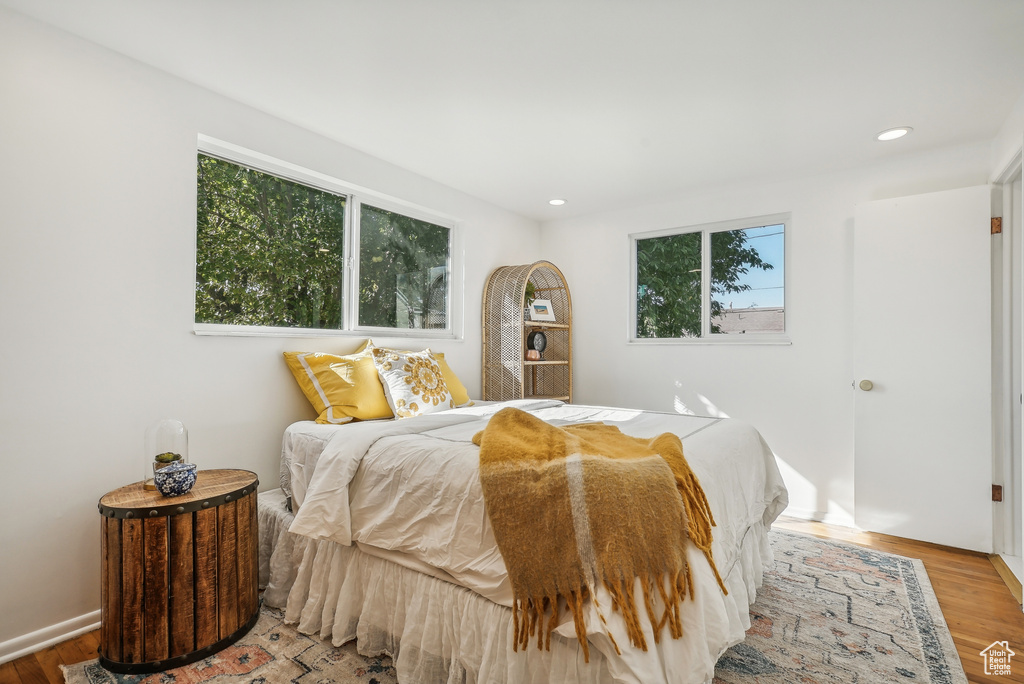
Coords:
pixel 97 231
pixel 799 396
pixel 1007 143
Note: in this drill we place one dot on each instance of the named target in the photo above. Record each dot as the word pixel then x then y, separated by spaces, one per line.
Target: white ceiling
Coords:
pixel 602 102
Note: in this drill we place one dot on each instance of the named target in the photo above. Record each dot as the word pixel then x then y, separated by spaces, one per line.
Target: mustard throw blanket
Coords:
pixel 582 504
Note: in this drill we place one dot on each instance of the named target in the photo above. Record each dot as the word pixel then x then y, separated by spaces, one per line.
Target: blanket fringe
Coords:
pixel 531 618
pixel 700 520
pixel 530 615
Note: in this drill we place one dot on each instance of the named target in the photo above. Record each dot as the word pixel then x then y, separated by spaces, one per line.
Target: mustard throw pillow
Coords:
pixel 459 392
pixel 340 388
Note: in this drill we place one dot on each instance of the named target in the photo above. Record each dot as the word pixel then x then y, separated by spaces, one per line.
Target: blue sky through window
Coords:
pixel 766 287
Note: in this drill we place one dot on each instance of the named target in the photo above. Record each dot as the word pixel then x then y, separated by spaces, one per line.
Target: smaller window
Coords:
pixel 669 292
pixel 711 282
pixel 403 271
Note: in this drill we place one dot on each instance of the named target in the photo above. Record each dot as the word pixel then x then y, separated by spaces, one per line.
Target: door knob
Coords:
pixel 866 385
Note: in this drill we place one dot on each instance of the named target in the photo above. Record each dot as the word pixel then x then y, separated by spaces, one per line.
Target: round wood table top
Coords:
pixel 212 488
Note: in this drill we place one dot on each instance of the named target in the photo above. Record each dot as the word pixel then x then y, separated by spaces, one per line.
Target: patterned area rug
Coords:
pixel 833 612
pixel 271 653
pixel 829 613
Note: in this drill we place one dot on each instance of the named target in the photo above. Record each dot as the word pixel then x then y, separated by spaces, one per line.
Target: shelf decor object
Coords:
pixel 536 341
pixel 176 479
pixel 180 576
pixel 511 369
pixel 541 310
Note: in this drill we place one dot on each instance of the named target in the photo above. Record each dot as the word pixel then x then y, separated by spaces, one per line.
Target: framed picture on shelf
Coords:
pixel 540 310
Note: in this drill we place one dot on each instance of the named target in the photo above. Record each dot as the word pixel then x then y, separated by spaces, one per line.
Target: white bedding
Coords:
pixel 409 491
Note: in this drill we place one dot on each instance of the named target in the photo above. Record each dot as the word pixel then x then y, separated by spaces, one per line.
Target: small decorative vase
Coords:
pixel 176 479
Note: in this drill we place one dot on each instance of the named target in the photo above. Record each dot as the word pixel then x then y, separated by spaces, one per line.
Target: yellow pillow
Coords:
pixel 459 392
pixel 340 388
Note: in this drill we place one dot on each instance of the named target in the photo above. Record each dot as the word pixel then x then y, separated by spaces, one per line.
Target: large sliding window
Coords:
pixel 711 282
pixel 278 247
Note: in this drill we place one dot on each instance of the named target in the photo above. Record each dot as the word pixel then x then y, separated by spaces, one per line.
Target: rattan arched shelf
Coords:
pixel 507 374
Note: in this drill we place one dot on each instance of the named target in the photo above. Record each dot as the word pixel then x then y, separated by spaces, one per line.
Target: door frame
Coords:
pixel 1007 470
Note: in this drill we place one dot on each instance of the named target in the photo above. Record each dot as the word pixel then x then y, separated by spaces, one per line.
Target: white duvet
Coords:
pixel 410 490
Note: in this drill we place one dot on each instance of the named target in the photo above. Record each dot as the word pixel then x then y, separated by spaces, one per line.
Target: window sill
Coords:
pixel 723 340
pixel 217 330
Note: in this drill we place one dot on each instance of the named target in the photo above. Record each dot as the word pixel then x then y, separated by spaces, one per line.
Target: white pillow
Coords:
pixel 413 382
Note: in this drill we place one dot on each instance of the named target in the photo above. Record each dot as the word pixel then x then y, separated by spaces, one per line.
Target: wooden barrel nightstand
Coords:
pixel 180 575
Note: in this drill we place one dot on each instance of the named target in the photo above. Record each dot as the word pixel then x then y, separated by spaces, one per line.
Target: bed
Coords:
pixel 379 533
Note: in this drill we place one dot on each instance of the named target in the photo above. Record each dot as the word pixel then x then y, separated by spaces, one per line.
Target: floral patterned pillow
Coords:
pixel 412 381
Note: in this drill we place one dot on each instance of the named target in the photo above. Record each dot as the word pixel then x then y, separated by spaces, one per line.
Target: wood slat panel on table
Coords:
pixel 110 590
pixel 155 535
pixel 247 583
pixel 206 576
pixel 182 604
pixel 132 588
pixel 254 591
pixel 227 569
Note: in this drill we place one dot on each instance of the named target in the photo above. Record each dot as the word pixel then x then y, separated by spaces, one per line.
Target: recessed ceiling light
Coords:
pixel 556 202
pixel 893 133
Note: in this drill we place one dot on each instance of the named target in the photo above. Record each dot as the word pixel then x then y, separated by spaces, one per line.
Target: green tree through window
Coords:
pixel 668 276
pixel 403 271
pixel 269 252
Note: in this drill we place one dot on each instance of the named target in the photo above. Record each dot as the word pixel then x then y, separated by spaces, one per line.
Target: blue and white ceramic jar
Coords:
pixel 175 479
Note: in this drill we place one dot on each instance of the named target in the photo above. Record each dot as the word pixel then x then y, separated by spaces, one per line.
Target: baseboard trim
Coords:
pixel 1008 577
pixel 48 636
pixel 839 519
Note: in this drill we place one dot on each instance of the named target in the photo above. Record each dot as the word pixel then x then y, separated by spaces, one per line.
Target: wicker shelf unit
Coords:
pixel 506 372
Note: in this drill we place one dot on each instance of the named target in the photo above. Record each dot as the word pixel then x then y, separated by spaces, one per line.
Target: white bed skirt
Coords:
pixel 439 632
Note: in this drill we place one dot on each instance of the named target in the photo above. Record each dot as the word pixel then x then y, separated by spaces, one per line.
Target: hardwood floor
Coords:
pixel 977 605
pixel 43 667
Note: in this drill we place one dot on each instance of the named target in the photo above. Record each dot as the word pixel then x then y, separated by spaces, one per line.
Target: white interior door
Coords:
pixel 923 339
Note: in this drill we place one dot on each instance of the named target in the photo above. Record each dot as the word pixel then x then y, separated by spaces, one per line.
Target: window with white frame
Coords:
pixel 712 281
pixel 278 247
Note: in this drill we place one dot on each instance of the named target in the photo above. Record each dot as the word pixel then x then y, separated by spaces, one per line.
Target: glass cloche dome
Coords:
pixel 166 443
